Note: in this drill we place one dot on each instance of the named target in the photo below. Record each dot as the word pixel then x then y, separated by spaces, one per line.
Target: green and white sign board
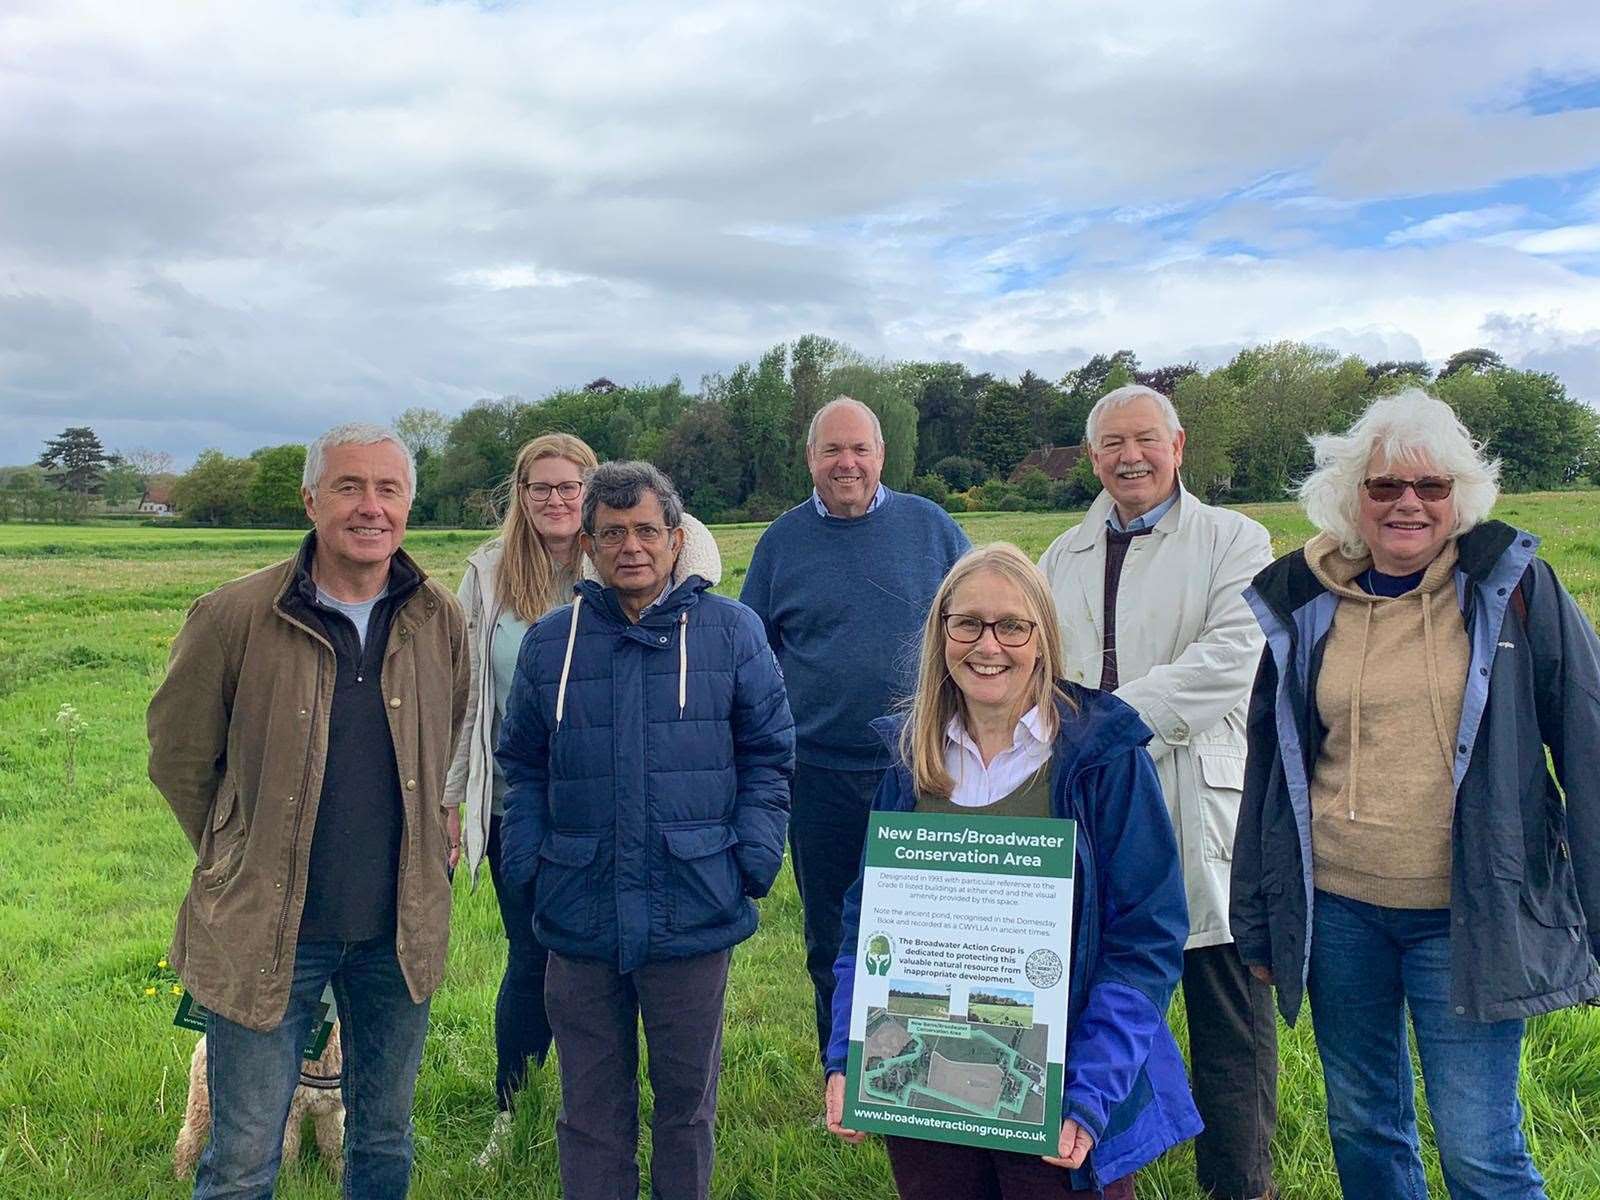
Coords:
pixel 958 1025
pixel 192 1014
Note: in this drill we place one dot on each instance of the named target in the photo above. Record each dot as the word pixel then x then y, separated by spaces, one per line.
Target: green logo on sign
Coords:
pixel 880 953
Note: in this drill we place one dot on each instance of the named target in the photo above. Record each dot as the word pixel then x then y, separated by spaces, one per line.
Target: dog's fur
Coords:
pixel 325 1106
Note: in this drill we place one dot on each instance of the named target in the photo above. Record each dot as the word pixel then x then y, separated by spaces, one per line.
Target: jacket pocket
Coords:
pixel 1221 789
pixel 565 891
pixel 703 885
pixel 223 851
pixel 1553 901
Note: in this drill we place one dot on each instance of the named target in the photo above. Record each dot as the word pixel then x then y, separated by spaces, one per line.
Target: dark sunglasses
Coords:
pixel 1384 488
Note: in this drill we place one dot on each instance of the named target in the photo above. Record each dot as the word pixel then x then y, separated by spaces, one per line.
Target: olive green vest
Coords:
pixel 1030 799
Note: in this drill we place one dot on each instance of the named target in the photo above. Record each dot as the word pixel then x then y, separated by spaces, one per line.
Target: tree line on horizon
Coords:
pixel 736 449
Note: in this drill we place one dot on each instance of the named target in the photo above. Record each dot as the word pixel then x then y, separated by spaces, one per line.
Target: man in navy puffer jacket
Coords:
pixel 647 747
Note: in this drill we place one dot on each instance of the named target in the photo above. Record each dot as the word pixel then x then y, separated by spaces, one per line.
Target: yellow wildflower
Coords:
pixel 149 991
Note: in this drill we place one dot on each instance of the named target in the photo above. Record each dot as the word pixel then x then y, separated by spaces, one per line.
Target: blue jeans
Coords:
pixel 1368 966
pixel 252 1076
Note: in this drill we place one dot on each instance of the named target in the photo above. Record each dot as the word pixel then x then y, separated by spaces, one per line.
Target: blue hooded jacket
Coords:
pixel 1125 1082
pixel 1524 867
pixel 647 769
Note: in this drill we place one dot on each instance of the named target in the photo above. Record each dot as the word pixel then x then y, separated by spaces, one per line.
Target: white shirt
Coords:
pixel 978 786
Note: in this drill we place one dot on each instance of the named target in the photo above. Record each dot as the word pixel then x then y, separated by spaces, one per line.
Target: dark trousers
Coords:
pixel 925 1170
pixel 595 1011
pixel 1233 1062
pixel 827 828
pixel 521 1028
pixel 252 1076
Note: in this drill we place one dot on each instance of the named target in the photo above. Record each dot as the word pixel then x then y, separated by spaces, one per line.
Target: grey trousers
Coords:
pixel 595 1012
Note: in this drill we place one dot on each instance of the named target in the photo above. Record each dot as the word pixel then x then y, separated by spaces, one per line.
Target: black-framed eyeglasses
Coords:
pixel 1008 631
pixel 614 535
pixel 539 493
pixel 1386 488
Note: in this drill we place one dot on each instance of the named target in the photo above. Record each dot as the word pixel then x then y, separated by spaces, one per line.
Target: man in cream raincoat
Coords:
pixel 1150 593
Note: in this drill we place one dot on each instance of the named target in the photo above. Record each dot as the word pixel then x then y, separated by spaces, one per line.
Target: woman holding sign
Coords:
pixel 993 731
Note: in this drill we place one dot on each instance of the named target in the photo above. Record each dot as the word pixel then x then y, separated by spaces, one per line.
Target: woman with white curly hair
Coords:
pixel 1402 844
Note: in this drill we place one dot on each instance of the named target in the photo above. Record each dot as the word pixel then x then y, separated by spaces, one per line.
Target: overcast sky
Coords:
pixel 233 224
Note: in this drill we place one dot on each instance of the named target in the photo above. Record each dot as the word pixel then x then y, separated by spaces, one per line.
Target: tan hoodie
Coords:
pixel 1389 693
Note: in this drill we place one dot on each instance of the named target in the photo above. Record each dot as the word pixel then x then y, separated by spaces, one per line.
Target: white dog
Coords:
pixel 317 1097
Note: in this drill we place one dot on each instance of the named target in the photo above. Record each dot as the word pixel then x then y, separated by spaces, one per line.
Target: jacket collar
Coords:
pixel 300 590
pixel 1091 532
pixel 487 556
pixel 1289 584
pixel 604 601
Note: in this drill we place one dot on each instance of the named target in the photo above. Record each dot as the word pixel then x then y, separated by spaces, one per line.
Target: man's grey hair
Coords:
pixel 1407 430
pixel 354 433
pixel 1122 397
pixel 843 402
pixel 621 485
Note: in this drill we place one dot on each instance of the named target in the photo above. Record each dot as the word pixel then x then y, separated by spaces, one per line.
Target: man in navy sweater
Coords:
pixel 842 582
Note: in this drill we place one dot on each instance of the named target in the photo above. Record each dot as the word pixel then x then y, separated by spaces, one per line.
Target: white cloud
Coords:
pixel 1452 225
pixel 1569 239
pixel 520 275
pixel 229 221
pixel 1544 342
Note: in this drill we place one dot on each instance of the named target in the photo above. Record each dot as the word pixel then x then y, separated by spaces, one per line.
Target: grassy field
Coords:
pixel 92 1073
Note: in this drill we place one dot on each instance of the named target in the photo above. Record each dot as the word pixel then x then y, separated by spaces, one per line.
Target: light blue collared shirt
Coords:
pixel 822 509
pixel 1141 522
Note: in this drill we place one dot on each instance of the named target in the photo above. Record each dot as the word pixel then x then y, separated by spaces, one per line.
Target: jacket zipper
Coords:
pixel 486 810
pixel 300 808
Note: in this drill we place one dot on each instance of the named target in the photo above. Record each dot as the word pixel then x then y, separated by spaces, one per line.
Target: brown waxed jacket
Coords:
pixel 238 736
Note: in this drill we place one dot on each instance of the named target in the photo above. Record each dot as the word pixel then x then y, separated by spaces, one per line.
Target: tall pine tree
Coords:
pixel 76 461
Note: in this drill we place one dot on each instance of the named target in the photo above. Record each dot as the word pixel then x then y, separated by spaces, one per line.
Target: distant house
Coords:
pixel 157 499
pixel 1055 461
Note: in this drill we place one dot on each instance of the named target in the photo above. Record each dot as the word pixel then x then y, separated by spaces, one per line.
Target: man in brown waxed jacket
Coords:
pixel 301 737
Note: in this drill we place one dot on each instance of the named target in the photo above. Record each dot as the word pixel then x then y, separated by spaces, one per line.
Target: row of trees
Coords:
pixel 736 450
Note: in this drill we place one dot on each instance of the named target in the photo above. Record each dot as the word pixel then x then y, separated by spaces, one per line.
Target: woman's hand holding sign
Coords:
pixel 1073 1148
pixel 833 1106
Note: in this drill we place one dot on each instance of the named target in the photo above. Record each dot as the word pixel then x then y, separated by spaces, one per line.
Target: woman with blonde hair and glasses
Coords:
pixel 993 731
pixel 528 569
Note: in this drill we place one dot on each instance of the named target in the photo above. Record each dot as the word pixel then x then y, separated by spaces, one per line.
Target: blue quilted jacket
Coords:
pixel 647 769
pixel 1125 1082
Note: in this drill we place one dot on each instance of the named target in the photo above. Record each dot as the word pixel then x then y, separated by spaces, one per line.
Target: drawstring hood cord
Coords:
pixel 572 640
pixel 1355 715
pixel 683 661
pixel 566 663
